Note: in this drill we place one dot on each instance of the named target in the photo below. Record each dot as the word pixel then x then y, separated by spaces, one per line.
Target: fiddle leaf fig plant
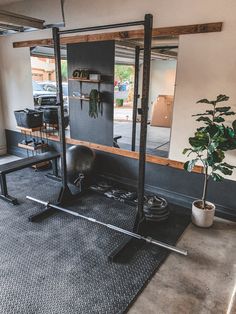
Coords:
pixel 210 142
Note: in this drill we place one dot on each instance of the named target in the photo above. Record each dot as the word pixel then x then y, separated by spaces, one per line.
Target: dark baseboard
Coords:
pixel 173 197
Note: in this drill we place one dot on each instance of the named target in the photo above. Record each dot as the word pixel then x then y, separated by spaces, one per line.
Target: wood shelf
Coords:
pixel 30 129
pixel 84 80
pixel 31 147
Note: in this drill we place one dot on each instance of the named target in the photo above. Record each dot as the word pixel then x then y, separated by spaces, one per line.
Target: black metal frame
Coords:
pixel 136 97
pixel 144 107
pixel 21 164
pixel 100 27
pixel 65 194
pixel 140 224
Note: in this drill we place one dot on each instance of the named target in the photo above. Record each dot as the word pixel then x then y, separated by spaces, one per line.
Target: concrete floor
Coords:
pixel 204 282
pixel 156 136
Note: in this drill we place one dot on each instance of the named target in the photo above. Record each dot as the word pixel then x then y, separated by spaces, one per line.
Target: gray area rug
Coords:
pixel 60 265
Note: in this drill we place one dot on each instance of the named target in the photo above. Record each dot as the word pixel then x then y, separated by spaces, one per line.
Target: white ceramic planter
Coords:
pixel 203 217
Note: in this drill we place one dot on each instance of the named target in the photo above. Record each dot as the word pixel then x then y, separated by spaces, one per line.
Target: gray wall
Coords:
pixel 97 57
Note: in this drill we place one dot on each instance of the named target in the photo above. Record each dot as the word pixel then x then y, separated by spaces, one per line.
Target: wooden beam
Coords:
pixel 20 20
pixel 11 27
pixel 133 34
pixel 126 153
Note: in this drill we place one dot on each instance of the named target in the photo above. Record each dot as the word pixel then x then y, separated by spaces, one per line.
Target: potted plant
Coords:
pixel 208 145
pixel 119 102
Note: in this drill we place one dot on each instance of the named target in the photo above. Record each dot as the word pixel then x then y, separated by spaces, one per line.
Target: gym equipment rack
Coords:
pixel 65 193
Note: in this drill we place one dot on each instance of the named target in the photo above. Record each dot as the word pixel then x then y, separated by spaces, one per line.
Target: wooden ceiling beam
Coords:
pixel 20 20
pixel 132 34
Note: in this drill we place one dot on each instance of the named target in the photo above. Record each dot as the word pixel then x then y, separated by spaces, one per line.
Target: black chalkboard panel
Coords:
pixel 97 57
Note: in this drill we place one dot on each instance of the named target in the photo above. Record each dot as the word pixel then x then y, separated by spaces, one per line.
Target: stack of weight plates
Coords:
pixel 156 209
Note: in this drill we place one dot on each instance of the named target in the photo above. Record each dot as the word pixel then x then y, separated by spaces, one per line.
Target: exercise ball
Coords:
pixel 80 163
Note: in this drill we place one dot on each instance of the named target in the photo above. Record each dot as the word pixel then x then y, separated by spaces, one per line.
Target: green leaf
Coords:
pixel 219 155
pixel 203 101
pixel 229 113
pixel 225 164
pixel 210 112
pixel 186 165
pixel 215 157
pixel 205 119
pixel 186 150
pixel 223 168
pixel 201 129
pixel 234 125
pixel 214 130
pixel 199 140
pixel 222 109
pixel 212 147
pixel 190 164
pixel 218 119
pixel 216 177
pixel 222 98
pixel 230 132
pixel 202 114
pixel 226 171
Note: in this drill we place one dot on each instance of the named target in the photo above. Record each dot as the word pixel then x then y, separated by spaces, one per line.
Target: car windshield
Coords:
pixel 37 87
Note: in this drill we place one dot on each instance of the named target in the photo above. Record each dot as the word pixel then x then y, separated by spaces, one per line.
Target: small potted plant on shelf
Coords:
pixel 209 144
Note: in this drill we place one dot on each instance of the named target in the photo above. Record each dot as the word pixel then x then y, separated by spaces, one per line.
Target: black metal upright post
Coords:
pixel 136 96
pixel 144 110
pixel 65 191
pixel 124 249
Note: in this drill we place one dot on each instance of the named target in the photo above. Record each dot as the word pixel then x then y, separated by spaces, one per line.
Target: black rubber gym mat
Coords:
pixel 60 265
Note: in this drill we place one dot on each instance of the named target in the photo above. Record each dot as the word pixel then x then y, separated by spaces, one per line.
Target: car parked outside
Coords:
pixel 44 94
pixel 51 87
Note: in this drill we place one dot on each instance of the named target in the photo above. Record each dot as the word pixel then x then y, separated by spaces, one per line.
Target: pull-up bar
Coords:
pixel 100 27
pixel 65 193
pixel 147 23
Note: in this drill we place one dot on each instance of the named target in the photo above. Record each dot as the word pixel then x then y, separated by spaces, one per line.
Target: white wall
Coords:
pixel 206 62
pixel 162 80
pixel 207 68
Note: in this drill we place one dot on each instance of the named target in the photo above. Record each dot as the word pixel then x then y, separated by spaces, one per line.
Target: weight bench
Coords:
pixel 21 164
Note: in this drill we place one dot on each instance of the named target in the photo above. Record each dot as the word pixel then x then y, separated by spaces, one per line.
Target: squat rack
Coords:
pixel 147 23
pixel 65 193
pixel 140 225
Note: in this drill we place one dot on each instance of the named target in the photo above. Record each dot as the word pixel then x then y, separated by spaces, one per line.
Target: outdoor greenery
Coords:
pixel 124 72
pixel 64 70
pixel 211 141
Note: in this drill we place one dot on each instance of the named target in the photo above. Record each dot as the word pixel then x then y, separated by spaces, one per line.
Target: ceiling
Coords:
pixel 165 48
pixel 5 2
